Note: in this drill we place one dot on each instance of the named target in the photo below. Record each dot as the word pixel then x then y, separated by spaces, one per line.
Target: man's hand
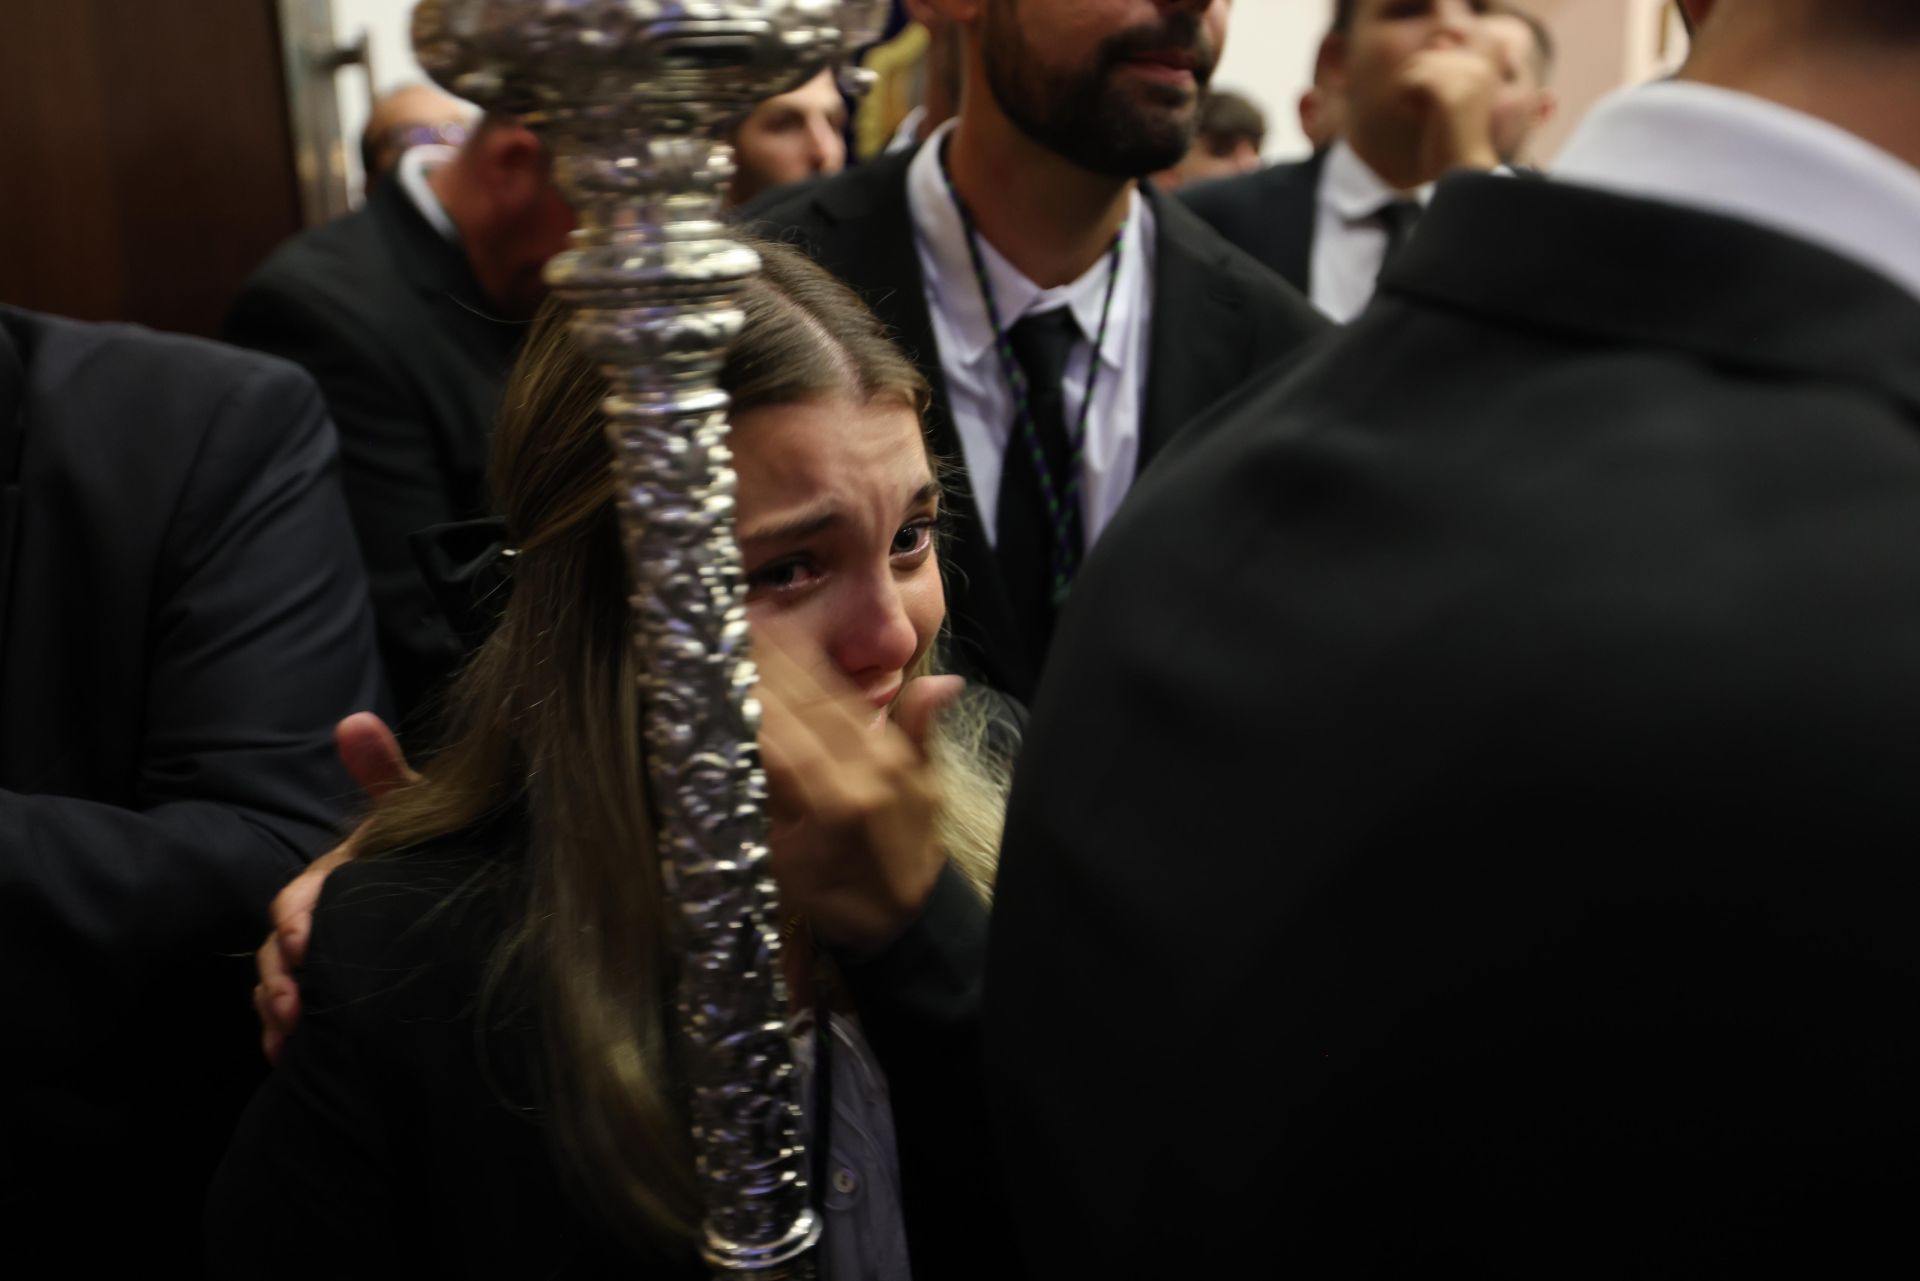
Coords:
pixel 372 755
pixel 854 801
pixel 1451 92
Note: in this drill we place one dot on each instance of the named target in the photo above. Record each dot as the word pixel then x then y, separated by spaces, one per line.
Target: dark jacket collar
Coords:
pixel 1559 258
pixel 438 269
pixel 429 258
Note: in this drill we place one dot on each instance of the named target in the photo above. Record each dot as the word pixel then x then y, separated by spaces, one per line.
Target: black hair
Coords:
pixel 1227 119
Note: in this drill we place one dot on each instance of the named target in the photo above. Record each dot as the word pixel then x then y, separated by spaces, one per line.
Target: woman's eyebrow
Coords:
pixel 801 525
pixel 927 493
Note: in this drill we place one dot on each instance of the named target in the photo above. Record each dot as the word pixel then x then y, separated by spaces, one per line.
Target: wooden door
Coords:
pixel 146 164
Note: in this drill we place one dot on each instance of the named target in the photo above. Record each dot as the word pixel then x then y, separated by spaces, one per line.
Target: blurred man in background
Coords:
pixel 1417 80
pixel 409 312
pixel 1523 53
pixel 1232 131
pixel 410 116
pixel 1323 115
pixel 790 138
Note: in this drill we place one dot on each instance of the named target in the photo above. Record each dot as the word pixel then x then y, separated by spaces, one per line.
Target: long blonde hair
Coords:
pixel 546 722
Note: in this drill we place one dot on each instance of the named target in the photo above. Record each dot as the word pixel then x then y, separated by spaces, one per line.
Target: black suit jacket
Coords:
pixel 182 623
pixel 385 313
pixel 1471 820
pixel 1269 215
pixel 402 1136
pixel 1217 320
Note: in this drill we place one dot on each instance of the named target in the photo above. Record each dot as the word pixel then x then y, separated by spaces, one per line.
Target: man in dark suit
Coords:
pixel 1012 240
pixel 1418 83
pixel 182 620
pixel 408 313
pixel 1523 53
pixel 1469 823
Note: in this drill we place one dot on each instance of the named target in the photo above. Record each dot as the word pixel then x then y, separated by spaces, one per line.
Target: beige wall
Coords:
pixel 1269 57
pixel 1604 45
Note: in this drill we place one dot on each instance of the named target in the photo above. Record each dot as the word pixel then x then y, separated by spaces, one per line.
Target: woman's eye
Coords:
pixel 913 538
pixel 781 576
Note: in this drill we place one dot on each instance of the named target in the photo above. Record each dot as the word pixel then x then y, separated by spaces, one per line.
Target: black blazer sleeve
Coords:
pixel 389 458
pixel 308 1180
pixel 258 640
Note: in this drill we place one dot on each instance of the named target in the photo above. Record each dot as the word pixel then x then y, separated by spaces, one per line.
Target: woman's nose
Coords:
pixel 1456 26
pixel 873 633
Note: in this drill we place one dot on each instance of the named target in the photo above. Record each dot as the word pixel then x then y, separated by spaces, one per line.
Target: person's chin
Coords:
pixel 1159 95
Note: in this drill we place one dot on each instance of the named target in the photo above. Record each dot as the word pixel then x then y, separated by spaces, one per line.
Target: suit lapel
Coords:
pixel 1294 207
pixel 1198 350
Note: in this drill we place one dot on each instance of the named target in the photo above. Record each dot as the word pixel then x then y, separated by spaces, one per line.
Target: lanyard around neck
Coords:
pixel 1060 496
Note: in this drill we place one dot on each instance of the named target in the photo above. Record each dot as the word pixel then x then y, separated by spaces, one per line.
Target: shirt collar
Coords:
pixel 1738 155
pixel 955 286
pixel 908 131
pixel 416 163
pixel 1351 188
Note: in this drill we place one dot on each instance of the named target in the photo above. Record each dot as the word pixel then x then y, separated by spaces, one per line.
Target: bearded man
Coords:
pixel 1069 320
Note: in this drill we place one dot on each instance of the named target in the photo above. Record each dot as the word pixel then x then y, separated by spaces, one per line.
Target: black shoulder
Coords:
pixel 1273 300
pixel 774 204
pixel 76 364
pixel 1247 192
pixel 330 276
pixel 416 926
pixel 347 243
pixel 1218 197
pixel 793 212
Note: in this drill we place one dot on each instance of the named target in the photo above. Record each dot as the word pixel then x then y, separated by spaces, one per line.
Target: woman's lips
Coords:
pixel 882 702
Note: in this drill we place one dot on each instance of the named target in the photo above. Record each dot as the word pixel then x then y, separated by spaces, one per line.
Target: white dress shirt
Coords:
pixel 416 165
pixel 1734 154
pixel 907 133
pixel 1349 239
pixel 977 392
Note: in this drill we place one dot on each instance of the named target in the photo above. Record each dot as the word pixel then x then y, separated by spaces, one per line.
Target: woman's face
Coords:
pixel 837 508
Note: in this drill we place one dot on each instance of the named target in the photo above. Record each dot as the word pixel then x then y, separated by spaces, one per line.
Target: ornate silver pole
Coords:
pixel 634 99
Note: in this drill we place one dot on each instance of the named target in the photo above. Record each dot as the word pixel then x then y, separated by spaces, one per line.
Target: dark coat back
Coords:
pixel 1471 822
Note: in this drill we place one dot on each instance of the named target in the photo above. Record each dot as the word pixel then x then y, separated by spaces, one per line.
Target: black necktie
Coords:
pixel 1400 218
pixel 1026 524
